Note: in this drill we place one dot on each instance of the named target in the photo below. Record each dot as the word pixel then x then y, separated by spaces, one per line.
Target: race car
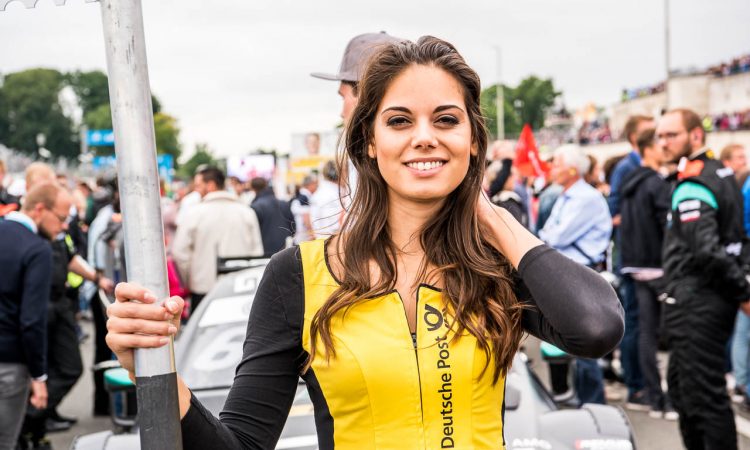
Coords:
pixel 210 347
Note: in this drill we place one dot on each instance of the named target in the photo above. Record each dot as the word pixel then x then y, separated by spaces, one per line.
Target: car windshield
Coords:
pixel 212 352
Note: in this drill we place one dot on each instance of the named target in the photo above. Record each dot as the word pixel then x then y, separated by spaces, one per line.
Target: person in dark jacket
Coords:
pixel 629 357
pixel 274 217
pixel 26 259
pixel 644 205
pixel 705 265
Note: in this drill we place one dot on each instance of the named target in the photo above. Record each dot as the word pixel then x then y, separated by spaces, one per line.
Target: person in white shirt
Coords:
pixel 219 226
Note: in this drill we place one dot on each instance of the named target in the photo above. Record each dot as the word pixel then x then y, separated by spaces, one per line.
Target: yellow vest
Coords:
pixel 384 394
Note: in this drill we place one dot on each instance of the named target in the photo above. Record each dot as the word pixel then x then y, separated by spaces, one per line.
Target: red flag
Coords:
pixel 527 161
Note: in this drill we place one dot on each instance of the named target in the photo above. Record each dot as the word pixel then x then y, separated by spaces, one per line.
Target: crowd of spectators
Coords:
pixel 737 65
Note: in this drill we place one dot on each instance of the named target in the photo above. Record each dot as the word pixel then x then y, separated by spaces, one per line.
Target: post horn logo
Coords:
pixel 433 318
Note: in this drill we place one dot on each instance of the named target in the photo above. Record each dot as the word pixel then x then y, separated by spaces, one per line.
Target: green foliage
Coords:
pixel 488 103
pixel 30 106
pixel 526 103
pixel 203 155
pixel 536 96
pixel 167 134
pixel 91 88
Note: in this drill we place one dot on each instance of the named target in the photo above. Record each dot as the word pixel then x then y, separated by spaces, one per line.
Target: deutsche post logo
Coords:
pixel 433 318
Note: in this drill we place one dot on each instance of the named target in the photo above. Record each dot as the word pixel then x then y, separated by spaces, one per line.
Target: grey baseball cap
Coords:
pixel 357 52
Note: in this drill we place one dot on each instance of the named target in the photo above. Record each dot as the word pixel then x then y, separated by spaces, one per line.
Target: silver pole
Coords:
pixel 499 96
pixel 135 147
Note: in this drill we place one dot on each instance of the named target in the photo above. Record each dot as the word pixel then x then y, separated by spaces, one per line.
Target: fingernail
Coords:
pixel 171 305
pixel 172 329
pixel 149 296
pixel 163 341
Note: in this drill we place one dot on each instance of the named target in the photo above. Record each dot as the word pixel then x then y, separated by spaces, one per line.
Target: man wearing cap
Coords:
pixel 358 52
pixel 353 64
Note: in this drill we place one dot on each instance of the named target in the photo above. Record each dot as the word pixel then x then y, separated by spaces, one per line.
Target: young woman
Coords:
pixel 404 323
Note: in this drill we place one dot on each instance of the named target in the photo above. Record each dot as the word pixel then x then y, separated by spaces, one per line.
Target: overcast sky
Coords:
pixel 236 73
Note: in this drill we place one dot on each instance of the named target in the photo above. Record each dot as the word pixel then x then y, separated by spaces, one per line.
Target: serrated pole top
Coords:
pixel 32 3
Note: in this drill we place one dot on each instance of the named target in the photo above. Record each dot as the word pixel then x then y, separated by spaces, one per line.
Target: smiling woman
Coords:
pixel 403 324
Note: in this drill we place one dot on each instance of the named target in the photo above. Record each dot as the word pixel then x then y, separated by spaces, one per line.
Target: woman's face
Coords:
pixel 422 136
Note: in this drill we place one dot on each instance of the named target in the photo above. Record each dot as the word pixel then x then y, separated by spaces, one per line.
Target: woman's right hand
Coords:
pixel 135 321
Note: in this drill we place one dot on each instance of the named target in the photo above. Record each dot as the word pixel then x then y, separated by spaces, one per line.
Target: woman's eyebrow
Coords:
pixel 442 108
pixel 397 108
pixel 404 109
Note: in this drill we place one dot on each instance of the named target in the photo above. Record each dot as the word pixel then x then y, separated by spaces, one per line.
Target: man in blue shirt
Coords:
pixel 637 396
pixel 579 227
pixel 26 259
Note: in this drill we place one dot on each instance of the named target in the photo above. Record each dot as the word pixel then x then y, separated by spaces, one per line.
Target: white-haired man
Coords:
pixel 579 227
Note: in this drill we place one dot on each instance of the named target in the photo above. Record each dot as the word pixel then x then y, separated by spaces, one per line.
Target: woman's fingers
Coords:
pixel 125 292
pixel 174 305
pixel 127 342
pixel 119 325
pixel 132 310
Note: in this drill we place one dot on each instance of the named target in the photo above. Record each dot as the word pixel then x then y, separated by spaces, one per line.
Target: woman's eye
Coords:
pixel 397 121
pixel 447 120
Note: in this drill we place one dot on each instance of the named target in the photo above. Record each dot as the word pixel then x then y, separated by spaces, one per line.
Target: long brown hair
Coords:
pixel 478 285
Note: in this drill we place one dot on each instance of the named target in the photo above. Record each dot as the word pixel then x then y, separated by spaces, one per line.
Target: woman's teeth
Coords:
pixel 425 165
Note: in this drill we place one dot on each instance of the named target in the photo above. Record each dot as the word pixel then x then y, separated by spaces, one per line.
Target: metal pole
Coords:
pixel 499 96
pixel 135 147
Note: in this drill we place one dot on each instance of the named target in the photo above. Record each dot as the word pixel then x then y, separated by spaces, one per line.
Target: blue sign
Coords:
pixel 165 165
pixel 100 138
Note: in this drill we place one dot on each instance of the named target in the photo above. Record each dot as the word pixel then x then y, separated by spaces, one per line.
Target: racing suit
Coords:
pixel 705 261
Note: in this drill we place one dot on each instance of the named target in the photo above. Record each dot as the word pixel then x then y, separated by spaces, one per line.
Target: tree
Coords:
pixel 203 155
pixel 167 135
pixel 30 107
pixel 91 88
pixel 526 103
pixel 165 128
pixel 535 96
pixel 488 103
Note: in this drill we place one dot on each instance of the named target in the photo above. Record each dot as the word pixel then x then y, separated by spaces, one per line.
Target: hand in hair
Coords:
pixel 503 231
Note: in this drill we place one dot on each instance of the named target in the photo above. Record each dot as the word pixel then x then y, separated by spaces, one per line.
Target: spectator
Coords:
pixel 579 227
pixel 300 207
pixel 353 63
pixel 631 366
pixel 705 268
pixel 325 203
pixel 510 200
pixel 63 353
pixel 274 217
pixel 24 292
pixel 734 157
pixel 740 351
pixel 219 226
pixel 5 197
pixel 644 205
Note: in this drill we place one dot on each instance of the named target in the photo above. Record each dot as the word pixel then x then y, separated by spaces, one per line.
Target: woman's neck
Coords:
pixel 406 220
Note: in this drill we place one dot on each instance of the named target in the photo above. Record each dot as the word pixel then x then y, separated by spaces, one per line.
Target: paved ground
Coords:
pixel 651 434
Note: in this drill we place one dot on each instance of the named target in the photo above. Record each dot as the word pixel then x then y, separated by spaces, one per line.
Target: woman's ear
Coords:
pixel 371 151
pixel 474 149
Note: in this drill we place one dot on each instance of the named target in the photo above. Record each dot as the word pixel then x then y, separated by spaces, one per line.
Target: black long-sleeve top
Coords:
pixel 25 270
pixel 570 306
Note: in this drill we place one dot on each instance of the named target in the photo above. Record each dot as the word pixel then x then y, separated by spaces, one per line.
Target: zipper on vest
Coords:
pixel 415 340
